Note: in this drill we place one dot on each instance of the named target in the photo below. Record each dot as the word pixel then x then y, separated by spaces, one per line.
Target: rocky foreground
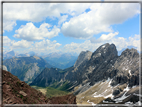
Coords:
pixel 15 91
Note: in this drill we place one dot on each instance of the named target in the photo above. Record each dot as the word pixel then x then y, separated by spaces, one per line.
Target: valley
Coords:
pixel 99 77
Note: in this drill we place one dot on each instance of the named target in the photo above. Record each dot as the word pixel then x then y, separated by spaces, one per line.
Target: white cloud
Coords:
pixel 36 12
pixel 21 44
pixel 6 41
pixel 78 47
pixel 45 46
pixel 30 32
pixel 99 19
pixel 62 19
pixel 9 44
pixel 135 41
pixel 120 43
pixel 104 37
pixel 8 25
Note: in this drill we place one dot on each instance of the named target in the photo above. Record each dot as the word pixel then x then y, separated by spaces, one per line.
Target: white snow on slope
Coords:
pixel 130 72
pixel 105 89
pixel 120 99
pixel 91 103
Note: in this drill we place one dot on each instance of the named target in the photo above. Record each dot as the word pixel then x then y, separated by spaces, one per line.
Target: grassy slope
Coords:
pixel 51 92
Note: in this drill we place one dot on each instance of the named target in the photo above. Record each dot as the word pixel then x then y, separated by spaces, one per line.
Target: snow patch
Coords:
pixel 103 46
pixel 134 86
pixel 110 83
pixel 137 94
pixel 91 103
pixel 130 72
pixel 120 99
pixel 110 95
pixel 138 103
pixel 126 89
pixel 129 102
pixel 106 101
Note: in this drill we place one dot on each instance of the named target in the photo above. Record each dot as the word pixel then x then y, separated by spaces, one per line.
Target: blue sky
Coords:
pixel 70 27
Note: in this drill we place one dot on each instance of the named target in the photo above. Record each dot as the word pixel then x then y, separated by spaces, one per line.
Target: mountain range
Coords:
pixel 26 68
pixel 58 60
pixel 103 66
pixel 99 77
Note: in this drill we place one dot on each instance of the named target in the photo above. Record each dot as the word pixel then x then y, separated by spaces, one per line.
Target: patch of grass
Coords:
pixel 64 86
pixel 62 71
pixel 55 85
pixel 52 92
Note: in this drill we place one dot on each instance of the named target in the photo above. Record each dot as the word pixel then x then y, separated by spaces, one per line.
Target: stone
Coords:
pixel 23 93
pixel 116 92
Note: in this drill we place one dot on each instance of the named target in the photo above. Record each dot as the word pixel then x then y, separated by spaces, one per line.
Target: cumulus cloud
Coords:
pixel 9 44
pixel 21 44
pixel 8 25
pixel 62 19
pixel 99 19
pixel 78 47
pixel 135 41
pixel 104 37
pixel 30 32
pixel 46 46
pixel 36 12
pixel 6 41
pixel 120 43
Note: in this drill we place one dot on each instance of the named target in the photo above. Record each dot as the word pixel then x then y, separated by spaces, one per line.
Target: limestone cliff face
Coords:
pixel 84 56
pixel 127 65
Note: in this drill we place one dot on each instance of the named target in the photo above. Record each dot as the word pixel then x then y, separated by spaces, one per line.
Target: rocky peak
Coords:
pixel 105 52
pixel 130 53
pixel 84 56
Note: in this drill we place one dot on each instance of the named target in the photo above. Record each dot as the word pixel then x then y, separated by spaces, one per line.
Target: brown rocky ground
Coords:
pixel 15 91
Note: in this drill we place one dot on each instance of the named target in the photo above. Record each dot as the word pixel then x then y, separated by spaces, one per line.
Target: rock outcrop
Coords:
pixel 83 57
pixel 15 91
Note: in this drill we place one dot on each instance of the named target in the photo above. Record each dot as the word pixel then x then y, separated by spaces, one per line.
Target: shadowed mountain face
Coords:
pixel 102 65
pixel 18 92
pixel 26 68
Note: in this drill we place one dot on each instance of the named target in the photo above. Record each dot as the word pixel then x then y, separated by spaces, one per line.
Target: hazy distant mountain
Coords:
pixel 118 74
pixel 9 54
pixel 26 68
pixel 61 61
pixel 31 53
